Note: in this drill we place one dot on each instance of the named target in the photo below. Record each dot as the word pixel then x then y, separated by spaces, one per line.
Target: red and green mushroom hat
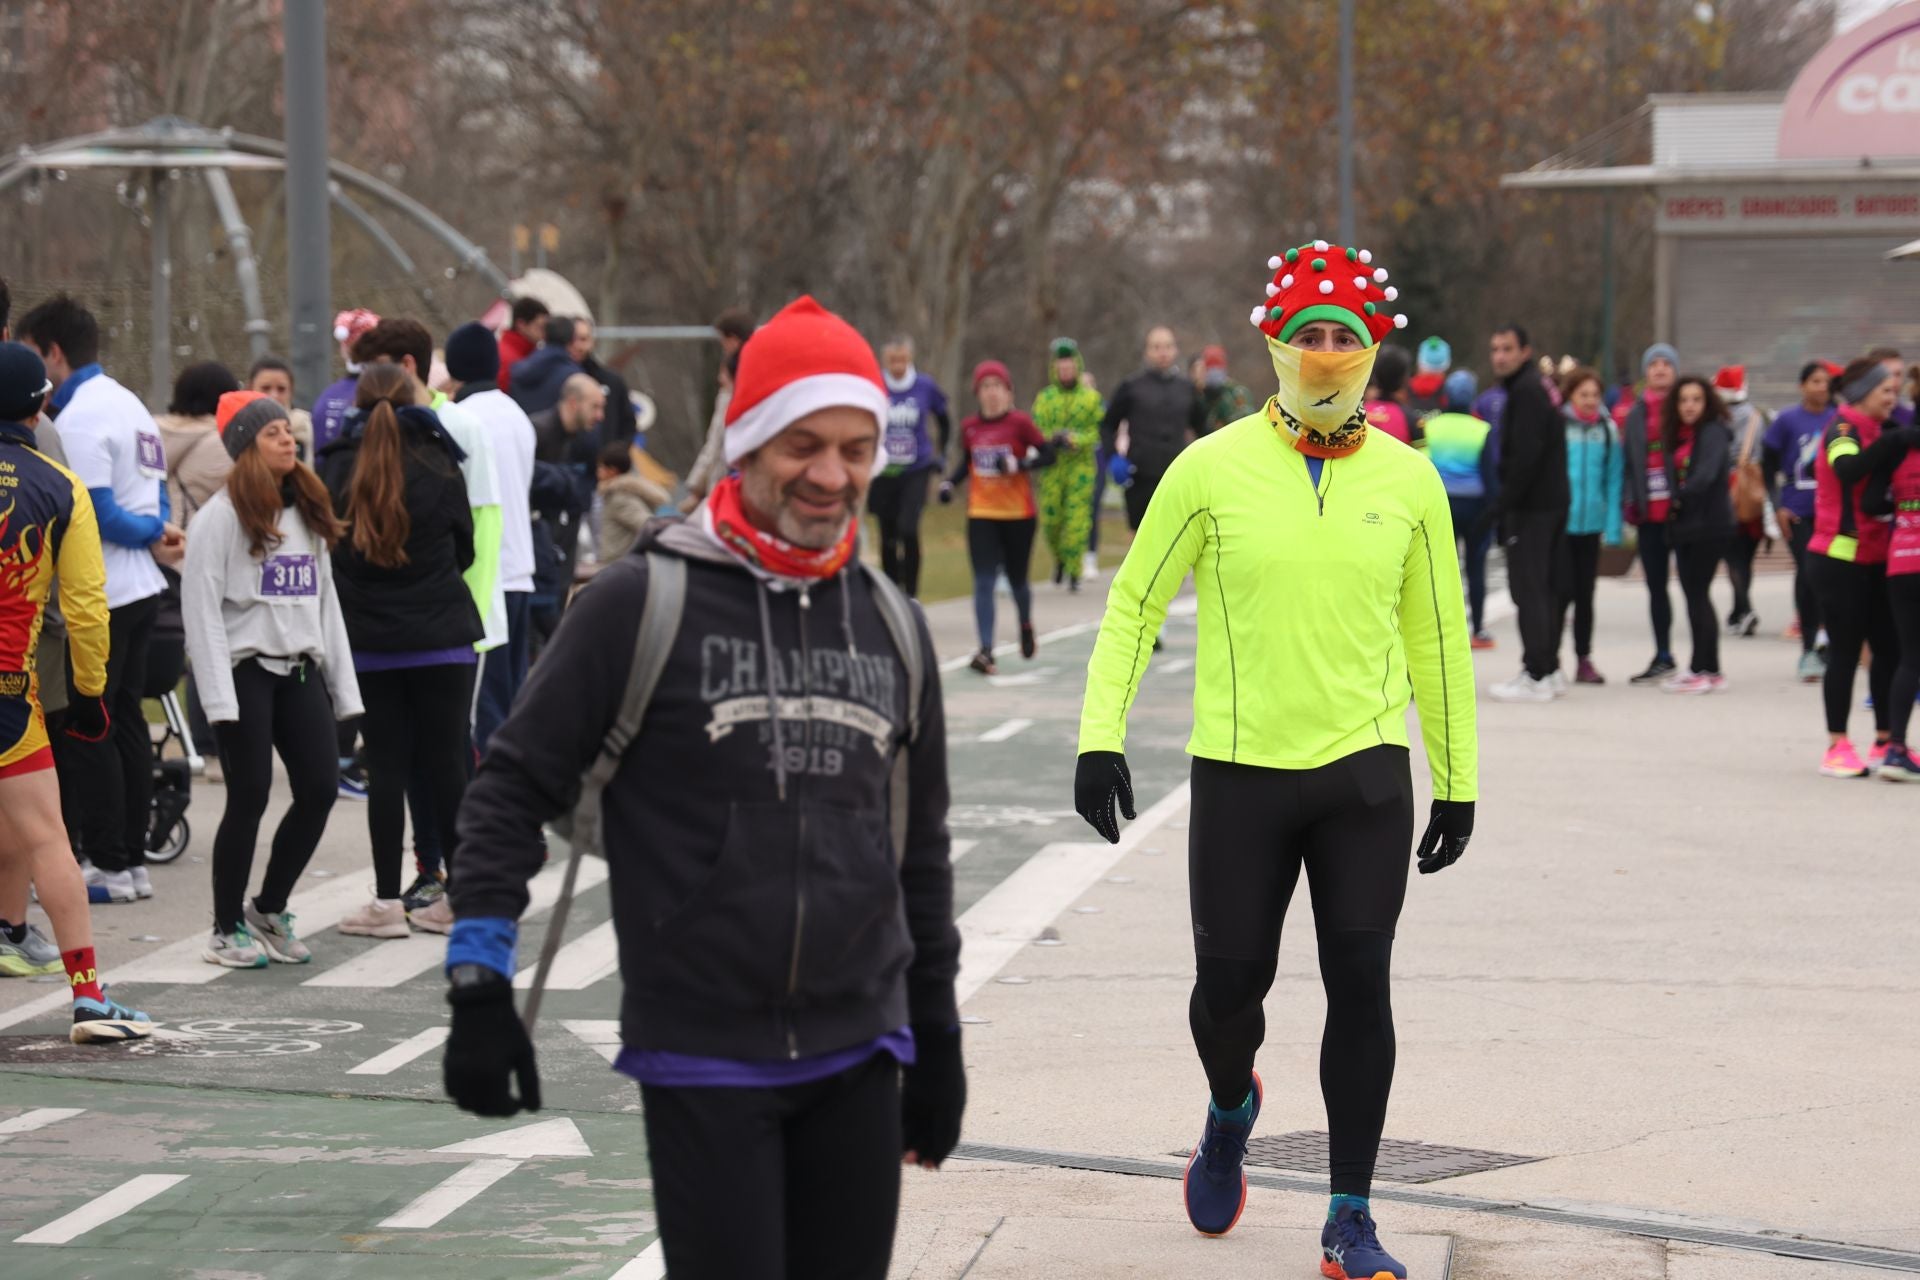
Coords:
pixel 1322 281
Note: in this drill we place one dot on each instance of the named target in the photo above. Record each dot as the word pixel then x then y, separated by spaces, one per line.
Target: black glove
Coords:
pixel 933 1094
pixel 1447 834
pixel 1099 779
pixel 489 1044
pixel 87 719
pixel 946 492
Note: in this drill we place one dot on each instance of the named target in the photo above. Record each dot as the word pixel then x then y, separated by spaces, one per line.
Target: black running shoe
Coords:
pixel 424 891
pixel 1657 670
pixel 1029 644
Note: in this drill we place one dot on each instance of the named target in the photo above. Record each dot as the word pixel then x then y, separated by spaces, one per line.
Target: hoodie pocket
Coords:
pixel 729 942
pixel 854 943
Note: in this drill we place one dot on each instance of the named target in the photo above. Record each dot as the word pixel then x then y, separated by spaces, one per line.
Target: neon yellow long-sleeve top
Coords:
pixel 1323 611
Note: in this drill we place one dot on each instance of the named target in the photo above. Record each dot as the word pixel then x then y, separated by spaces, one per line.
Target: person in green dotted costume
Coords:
pixel 1068 414
pixel 1329 600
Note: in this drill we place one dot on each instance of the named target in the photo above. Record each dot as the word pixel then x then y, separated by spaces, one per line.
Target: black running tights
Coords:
pixel 1853 604
pixel 1696 562
pixel 898 503
pixel 417 715
pixel 292 715
pixel 1903 598
pixel 796 1182
pixel 1350 825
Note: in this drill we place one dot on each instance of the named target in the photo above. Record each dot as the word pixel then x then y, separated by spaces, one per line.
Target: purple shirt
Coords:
pixel 1488 406
pixel 909 444
pixel 463 656
pixel 1795 435
pixel 689 1071
pixel 1902 415
pixel 330 408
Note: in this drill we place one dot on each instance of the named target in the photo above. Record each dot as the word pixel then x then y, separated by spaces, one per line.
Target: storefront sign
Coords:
pixel 1893 206
pixel 1860 96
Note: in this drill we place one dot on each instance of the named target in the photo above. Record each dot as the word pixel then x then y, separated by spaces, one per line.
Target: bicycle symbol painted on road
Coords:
pixel 255 1037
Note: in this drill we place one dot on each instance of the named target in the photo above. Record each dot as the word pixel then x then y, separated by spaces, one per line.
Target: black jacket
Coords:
pixel 1159 407
pixel 424 603
pixel 1533 448
pixel 534 383
pixel 762 913
pixel 1703 505
pixel 619 423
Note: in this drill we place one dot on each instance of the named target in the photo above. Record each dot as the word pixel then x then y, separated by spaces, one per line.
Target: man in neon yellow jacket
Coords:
pixel 1329 595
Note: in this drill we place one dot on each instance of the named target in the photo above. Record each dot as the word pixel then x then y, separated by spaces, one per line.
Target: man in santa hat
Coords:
pixel 786 930
pixel 330 406
pixel 1323 559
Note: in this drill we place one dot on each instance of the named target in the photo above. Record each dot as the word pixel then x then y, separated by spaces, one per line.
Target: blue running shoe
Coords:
pixel 1350 1249
pixel 1216 1179
pixel 105 1021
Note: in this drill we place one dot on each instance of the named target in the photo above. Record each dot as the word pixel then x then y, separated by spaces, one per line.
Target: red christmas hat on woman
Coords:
pixel 1322 281
pixel 803 360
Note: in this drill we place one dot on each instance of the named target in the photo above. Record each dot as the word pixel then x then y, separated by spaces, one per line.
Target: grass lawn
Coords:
pixel 945 573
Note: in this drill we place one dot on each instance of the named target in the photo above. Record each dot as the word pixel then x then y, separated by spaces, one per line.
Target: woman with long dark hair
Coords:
pixel 1849 561
pixel 270 649
pixel 1698 447
pixel 394 475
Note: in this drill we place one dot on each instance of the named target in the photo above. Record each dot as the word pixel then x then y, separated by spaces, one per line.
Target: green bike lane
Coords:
pixel 285 1120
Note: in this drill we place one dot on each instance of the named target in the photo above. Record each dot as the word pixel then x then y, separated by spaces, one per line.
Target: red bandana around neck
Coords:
pixel 727 521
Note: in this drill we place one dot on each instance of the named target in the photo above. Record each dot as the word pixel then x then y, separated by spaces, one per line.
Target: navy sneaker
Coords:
pixel 353 781
pixel 1350 1249
pixel 1216 1178
pixel 1899 766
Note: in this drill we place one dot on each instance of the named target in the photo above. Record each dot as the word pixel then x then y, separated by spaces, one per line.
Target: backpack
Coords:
pixel 652 645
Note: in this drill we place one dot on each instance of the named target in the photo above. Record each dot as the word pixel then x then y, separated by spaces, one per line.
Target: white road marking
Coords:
pixel 960 849
pixel 1044 638
pixel 1173 666
pixel 391 963
pixel 429 1209
pixel 401 1054
pixel 602 1035
pixel 125 1198
pixel 581 963
pixel 38 1118
pixel 1012 914
pixel 525 1142
pixel 1008 729
pixel 650 1265
pixel 1023 679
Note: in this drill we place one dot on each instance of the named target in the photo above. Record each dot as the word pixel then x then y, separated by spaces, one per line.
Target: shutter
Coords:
pixel 1773 303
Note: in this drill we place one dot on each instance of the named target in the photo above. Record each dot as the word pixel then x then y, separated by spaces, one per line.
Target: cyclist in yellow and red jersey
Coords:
pixel 47 524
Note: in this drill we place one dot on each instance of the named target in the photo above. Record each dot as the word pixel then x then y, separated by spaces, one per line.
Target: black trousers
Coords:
pixel 1139 495
pixel 116 774
pixel 1656 556
pixel 292 715
pixel 414 715
pixel 1805 599
pixel 1696 562
pixel 795 1183
pixel 1903 600
pixel 898 502
pixel 1583 572
pixel 1535 549
pixel 1741 549
pixel 1854 605
pixel 1349 824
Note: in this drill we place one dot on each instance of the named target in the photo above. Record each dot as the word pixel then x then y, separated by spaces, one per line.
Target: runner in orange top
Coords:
pixel 999 446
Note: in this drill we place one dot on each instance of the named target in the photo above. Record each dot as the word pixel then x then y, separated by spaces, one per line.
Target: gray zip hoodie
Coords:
pixel 277 609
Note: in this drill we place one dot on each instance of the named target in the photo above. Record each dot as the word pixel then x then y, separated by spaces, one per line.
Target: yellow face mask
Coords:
pixel 1321 391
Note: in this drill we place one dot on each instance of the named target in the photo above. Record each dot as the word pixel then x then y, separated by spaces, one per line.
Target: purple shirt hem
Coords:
pixel 463 656
pixel 666 1070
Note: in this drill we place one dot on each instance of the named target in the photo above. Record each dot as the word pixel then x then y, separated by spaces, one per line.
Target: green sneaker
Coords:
pixel 236 950
pixel 31 956
pixel 275 934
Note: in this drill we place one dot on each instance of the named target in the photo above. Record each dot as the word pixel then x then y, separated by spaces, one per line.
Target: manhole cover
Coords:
pixel 56 1050
pixel 1305 1151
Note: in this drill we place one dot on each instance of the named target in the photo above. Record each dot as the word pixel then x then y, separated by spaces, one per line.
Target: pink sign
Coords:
pixel 1860 96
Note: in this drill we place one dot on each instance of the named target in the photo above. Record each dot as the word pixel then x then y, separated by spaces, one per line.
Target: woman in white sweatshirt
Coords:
pixel 265 634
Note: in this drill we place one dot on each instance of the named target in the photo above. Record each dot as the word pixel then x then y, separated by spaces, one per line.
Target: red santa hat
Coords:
pixel 1322 281
pixel 1732 377
pixel 803 360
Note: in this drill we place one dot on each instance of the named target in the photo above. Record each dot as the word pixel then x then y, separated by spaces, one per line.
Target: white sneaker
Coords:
pixel 435 917
pixel 1090 566
pixel 236 950
pixel 117 885
pixel 1522 688
pixel 380 918
pixel 142 882
pixel 1557 683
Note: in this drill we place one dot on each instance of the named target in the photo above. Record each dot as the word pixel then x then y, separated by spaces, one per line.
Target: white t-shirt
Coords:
pixel 511 432
pixel 112 443
pixel 480 470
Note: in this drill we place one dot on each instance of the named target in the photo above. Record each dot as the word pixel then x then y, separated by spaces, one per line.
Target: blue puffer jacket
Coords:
pixel 1595 469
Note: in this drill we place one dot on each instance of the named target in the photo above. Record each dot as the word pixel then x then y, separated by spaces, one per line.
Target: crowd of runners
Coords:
pixel 361 591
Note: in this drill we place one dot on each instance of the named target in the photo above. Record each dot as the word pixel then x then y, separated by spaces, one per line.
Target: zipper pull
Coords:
pixel 806 598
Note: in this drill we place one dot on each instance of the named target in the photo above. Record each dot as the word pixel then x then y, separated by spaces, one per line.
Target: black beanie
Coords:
pixel 249 422
pixel 23 382
pixel 472 354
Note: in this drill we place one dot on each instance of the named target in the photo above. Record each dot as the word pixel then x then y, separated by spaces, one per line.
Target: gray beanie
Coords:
pixel 249 422
pixel 1866 384
pixel 1659 351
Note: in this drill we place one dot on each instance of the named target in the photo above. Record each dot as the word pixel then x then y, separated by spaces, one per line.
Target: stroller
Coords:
pixel 169 832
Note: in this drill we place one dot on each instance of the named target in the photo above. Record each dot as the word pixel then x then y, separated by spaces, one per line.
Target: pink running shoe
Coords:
pixel 1842 761
pixel 1697 682
pixel 1876 757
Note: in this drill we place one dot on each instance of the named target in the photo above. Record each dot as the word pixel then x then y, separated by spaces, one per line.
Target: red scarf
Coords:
pixel 727 521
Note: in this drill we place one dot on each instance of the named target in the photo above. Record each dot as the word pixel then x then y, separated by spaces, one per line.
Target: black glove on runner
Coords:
pixel 489 1044
pixel 1099 779
pixel 87 719
pixel 933 1094
pixel 1447 834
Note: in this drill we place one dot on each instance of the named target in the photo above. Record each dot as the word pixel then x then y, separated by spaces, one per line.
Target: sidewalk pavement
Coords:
pixel 1676 971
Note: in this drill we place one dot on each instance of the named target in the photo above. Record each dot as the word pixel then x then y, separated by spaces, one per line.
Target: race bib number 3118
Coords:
pixel 289 577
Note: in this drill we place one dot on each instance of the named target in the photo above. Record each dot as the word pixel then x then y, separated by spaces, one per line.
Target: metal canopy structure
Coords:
pixel 164 148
